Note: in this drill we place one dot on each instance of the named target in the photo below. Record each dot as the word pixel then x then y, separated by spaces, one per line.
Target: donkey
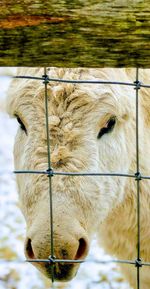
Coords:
pixel 91 129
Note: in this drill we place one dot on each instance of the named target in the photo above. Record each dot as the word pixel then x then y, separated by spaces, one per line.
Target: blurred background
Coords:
pixel 14 272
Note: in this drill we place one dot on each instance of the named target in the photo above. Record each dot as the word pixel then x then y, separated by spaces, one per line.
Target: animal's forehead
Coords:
pixel 58 88
pixel 66 100
pixel 62 96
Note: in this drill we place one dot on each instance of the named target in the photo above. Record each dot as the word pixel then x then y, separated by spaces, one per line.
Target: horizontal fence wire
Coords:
pixel 87 260
pixel 76 174
pixel 84 81
pixel 52 260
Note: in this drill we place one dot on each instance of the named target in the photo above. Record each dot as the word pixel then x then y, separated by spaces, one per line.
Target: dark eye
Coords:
pixel 108 128
pixel 22 126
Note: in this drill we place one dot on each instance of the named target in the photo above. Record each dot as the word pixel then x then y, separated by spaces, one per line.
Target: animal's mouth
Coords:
pixel 61 272
pixel 57 271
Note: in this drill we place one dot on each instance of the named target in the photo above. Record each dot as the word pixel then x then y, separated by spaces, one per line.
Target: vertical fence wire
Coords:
pixel 138 178
pixel 51 257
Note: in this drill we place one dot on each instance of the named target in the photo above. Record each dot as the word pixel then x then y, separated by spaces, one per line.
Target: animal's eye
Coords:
pixel 22 126
pixel 108 128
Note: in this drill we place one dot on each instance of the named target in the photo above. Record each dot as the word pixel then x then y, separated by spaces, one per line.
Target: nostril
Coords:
pixel 29 250
pixel 82 249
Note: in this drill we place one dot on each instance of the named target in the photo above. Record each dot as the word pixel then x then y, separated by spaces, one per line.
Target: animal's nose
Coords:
pixel 29 250
pixel 82 249
pixel 73 250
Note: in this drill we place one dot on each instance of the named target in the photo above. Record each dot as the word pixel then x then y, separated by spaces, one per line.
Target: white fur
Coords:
pixel 106 205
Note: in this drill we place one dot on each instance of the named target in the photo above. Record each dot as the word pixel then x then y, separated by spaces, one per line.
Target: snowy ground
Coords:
pixel 14 272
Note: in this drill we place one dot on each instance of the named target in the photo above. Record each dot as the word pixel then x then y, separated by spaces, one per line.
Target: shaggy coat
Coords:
pixel 92 129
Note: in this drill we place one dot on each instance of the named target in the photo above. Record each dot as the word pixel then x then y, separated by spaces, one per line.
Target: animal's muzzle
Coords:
pixel 65 250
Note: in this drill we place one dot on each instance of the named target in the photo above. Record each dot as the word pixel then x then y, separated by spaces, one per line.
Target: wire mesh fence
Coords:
pixel 50 172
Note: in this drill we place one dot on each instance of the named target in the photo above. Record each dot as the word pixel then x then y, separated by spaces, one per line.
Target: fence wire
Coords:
pixel 52 260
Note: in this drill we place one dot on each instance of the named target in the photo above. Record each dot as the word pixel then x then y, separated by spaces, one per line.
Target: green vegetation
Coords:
pixel 89 33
